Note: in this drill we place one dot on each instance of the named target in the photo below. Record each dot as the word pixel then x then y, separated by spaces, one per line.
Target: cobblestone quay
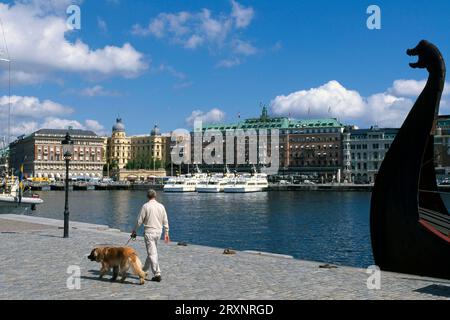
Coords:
pixel 36 261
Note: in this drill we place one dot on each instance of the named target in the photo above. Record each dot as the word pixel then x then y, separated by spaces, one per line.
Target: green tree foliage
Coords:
pixel 144 163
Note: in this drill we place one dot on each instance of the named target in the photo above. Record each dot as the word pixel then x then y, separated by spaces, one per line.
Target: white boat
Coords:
pixel 181 184
pixel 247 183
pixel 214 184
pixel 13 201
pixel 185 183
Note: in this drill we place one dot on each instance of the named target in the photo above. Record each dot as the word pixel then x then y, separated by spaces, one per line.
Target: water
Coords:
pixel 331 227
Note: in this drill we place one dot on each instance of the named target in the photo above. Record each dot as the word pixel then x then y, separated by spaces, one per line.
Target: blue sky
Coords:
pixel 168 62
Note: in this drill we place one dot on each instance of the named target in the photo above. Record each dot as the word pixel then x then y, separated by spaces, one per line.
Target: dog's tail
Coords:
pixel 136 264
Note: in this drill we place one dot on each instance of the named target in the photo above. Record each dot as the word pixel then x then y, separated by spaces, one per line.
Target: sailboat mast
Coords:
pixel 9 102
pixel 8 60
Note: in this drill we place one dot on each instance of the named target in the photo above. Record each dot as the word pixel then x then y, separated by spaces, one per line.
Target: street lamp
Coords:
pixel 67 150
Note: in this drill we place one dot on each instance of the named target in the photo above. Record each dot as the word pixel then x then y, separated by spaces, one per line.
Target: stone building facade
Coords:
pixel 41 154
pixel 364 151
pixel 442 145
pixel 122 150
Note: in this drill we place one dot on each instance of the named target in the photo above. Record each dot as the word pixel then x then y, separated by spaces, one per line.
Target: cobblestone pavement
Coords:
pixel 35 260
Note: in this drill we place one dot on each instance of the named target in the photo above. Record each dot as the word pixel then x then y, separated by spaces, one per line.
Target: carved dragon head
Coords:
pixel 429 57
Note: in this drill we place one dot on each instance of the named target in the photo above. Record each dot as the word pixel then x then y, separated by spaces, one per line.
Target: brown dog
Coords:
pixel 119 259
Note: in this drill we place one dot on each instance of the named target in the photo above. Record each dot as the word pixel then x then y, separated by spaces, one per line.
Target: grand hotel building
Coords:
pixel 311 146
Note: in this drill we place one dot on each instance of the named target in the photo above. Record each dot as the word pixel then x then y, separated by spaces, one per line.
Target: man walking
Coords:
pixel 154 217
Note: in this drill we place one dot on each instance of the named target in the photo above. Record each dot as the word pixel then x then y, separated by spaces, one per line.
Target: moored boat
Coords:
pixel 214 184
pixel 181 184
pixel 12 199
pixel 247 183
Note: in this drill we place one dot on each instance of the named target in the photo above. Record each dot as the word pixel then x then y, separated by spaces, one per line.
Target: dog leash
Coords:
pixel 131 238
pixel 110 244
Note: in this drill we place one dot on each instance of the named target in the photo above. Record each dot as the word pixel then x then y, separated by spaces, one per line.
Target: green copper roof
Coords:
pixel 277 123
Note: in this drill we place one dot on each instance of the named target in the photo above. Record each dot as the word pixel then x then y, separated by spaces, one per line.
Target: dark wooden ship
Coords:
pixel 410 224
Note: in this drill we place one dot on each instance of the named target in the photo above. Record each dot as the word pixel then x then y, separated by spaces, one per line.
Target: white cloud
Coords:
pixel 243 47
pixel 102 25
pixel 212 116
pixel 194 41
pixel 29 114
pixel 193 30
pixel 98 91
pixel 36 37
pixel 243 16
pixel 19 77
pixel 23 127
pixel 50 6
pixel 317 101
pixel 388 108
pixel 228 63
pixel 182 85
pixel 172 71
pixel 32 107
pixel 95 126
pixel 277 46
pixel 404 87
pixel 182 81
pixel 58 123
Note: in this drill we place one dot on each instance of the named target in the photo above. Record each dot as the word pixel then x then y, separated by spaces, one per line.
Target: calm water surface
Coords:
pixel 322 226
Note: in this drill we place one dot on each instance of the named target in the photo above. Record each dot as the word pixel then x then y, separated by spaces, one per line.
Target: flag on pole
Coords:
pixel 21 177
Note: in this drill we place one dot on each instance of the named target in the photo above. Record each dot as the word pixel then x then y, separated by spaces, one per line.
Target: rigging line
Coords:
pixel 9 81
pixel 4 38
